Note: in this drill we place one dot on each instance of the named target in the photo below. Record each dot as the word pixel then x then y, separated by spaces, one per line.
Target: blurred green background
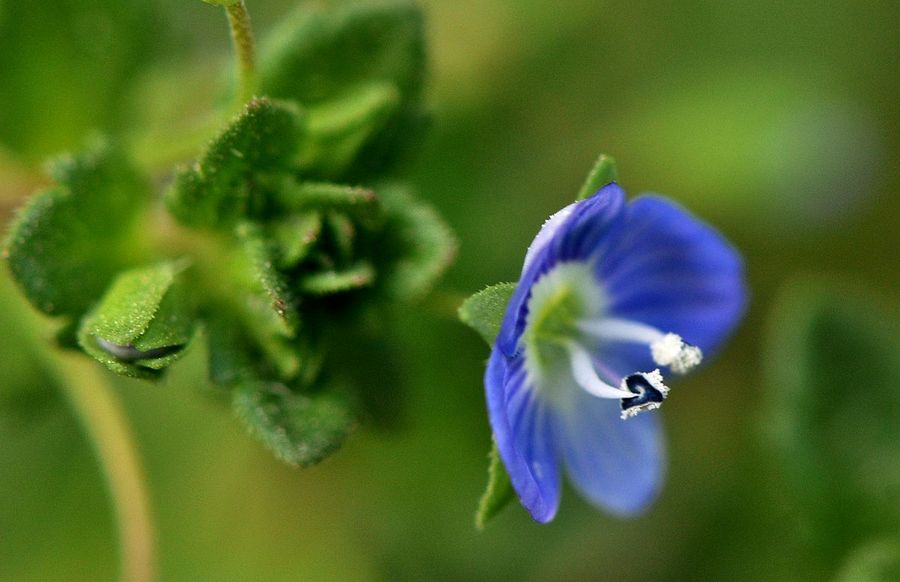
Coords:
pixel 775 121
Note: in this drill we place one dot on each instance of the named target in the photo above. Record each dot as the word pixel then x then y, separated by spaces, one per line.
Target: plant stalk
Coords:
pixel 245 49
pixel 100 413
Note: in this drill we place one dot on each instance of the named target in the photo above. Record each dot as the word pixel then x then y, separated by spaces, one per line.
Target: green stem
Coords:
pixel 101 415
pixel 245 49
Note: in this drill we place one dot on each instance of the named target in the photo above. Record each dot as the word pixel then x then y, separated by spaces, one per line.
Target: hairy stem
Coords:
pixel 245 49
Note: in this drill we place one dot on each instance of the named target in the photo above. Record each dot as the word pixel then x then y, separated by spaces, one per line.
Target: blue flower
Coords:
pixel 610 293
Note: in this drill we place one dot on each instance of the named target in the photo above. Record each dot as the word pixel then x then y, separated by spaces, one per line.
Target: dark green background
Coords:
pixel 777 121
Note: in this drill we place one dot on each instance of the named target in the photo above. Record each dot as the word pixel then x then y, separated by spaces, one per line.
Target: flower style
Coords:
pixel 608 290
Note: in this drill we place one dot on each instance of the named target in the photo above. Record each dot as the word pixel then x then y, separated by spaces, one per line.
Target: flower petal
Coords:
pixel 672 271
pixel 576 232
pixel 521 424
pixel 616 464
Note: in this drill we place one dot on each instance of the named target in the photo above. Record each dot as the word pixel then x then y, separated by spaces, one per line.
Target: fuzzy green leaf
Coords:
pixel 834 389
pixel 300 429
pixel 368 59
pixel 603 172
pixel 484 310
pixel 294 236
pixel 143 322
pixel 266 294
pixel 499 491
pixel 339 129
pixel 262 301
pixel 328 282
pixel 66 244
pixel 358 202
pixel 220 188
pixel 416 248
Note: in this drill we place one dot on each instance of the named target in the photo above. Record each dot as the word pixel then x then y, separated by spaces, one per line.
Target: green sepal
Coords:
pixel 338 281
pixel 299 429
pixel 484 310
pixel 833 371
pixel 143 323
pixel 416 246
pixel 603 173
pixel 65 246
pixel 499 491
pixel 369 60
pixel 223 186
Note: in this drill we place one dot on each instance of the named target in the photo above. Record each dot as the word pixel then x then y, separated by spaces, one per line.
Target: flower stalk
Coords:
pixel 100 413
pixel 245 50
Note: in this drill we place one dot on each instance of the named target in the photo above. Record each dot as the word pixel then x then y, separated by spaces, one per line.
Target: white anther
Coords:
pixel 672 351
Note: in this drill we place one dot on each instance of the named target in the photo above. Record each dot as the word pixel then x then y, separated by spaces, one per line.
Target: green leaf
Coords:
pixel 358 67
pixel 338 130
pixel 300 429
pixel 328 282
pixel 359 202
pixel 261 300
pixel 484 310
pixel 265 293
pixel 603 172
pixel 222 2
pixel 143 322
pixel 294 236
pixel 67 243
pixel 416 247
pixel 877 561
pixel 834 391
pixel 499 491
pixel 224 186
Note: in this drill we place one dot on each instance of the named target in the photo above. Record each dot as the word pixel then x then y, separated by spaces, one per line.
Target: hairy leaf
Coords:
pixel 224 185
pixel 484 310
pixel 300 429
pixel 266 294
pixel 67 243
pixel 358 63
pixel 143 322
pixel 294 236
pixel 327 282
pixel 416 247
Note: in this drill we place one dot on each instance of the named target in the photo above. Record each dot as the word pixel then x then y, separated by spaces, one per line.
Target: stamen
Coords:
pixel 621 330
pixel 667 349
pixel 649 391
pixel 586 377
pixel 672 351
